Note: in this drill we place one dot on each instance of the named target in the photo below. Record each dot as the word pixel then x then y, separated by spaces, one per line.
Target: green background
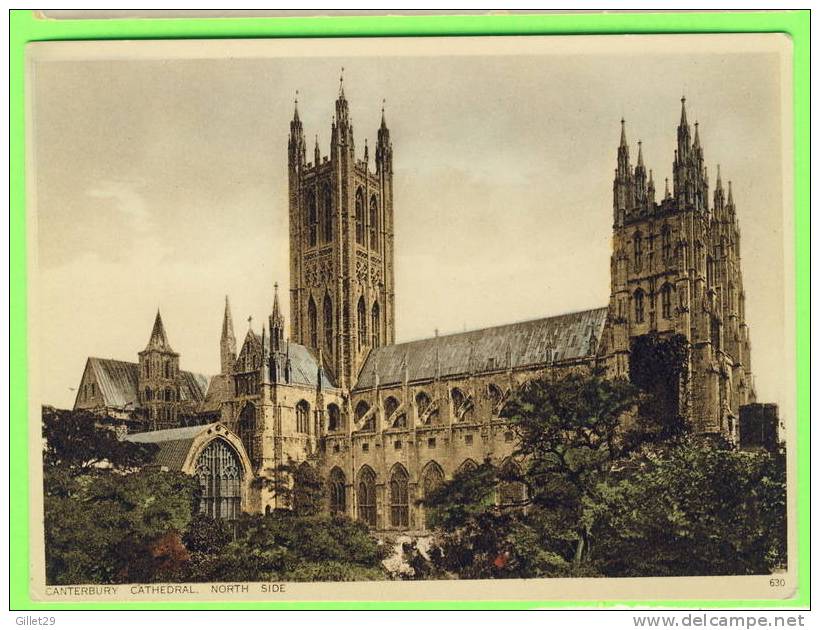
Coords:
pixel 26 27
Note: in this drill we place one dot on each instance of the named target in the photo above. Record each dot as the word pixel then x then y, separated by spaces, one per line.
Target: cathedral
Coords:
pixel 383 422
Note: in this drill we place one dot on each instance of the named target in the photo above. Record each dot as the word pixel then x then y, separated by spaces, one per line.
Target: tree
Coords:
pixel 568 430
pixel 693 507
pixel 299 487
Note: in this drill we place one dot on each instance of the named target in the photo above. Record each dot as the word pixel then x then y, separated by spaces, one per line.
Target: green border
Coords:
pixel 25 27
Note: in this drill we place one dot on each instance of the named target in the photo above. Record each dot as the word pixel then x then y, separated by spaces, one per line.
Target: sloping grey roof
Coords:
pixel 304 367
pixel 535 342
pixel 118 382
pixel 219 390
pixel 174 444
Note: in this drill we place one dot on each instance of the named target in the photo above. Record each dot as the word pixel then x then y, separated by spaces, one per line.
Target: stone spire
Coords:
pixel 384 148
pixel 277 322
pixel 227 343
pixel 296 141
pixel 158 340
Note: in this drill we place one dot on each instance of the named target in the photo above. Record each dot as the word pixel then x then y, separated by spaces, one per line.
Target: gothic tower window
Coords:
pixel 399 503
pixel 302 417
pixel 366 496
pixel 327 214
pixel 666 301
pixel 433 477
pixel 374 324
pixel 327 317
pixel 361 317
pixel 169 395
pixel 219 472
pixel 167 369
pixel 666 243
pixel 360 217
pixel 247 428
pixel 637 242
pixel 312 324
pixel 639 306
pixel 710 272
pixel 336 487
pixel 374 224
pixel 147 369
pixel 148 394
pixel 312 225
pixel 334 418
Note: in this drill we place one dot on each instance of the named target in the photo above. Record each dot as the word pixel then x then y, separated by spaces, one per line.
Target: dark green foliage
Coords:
pixel 693 508
pixel 299 487
pixel 207 535
pixel 658 366
pixel 75 441
pixel 469 493
pixel 286 546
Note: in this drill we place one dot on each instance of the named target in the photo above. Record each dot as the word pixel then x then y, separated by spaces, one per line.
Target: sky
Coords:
pixel 160 179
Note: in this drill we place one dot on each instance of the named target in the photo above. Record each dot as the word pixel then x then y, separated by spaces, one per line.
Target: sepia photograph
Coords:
pixel 473 318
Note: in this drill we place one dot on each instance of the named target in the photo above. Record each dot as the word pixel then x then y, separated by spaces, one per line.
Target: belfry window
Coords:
pixel 639 306
pixel 374 324
pixel 666 301
pixel 312 225
pixel 360 217
pixel 219 472
pixel 399 504
pixel 327 214
pixel 247 428
pixel 313 333
pixel 327 317
pixel 666 243
pixel 637 242
pixel 374 224
pixel 361 317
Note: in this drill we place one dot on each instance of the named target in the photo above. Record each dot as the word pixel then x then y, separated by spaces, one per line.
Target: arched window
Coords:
pixel 327 320
pixel 336 490
pixel 360 217
pixel 312 224
pixel 219 472
pixel 432 478
pixel 666 243
pixel 147 369
pixel 422 402
pixel 467 466
pixel 327 214
pixel 312 324
pixel 666 301
pixel 637 243
pixel 334 418
pixel 495 395
pixel 360 412
pixel 366 496
pixel 167 367
pixel 390 405
pixel 511 492
pixel 639 306
pixel 458 398
pixel 374 224
pixel 399 503
pixel 375 326
pixel 302 417
pixel 169 395
pixel 361 313
pixel 400 422
pixel 710 272
pixel 149 395
pixel 247 428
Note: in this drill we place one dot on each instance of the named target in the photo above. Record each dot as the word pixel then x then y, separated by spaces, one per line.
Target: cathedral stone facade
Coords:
pixel 384 423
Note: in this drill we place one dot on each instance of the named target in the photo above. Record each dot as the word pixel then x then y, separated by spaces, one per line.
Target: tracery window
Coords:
pixel 167 369
pixel 639 306
pixel 302 417
pixel 312 324
pixel 312 226
pixel 666 243
pixel 334 417
pixel 219 472
pixel 327 317
pixel 390 405
pixel 432 479
pixel 361 314
pixel 666 301
pixel 327 214
pixel 360 217
pixel 247 428
pixel 637 243
pixel 399 503
pixel 375 324
pixel 336 488
pixel 374 224
pixel 366 496
pixel 149 395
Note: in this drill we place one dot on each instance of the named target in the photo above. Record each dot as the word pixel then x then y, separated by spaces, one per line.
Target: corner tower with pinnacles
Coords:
pixel 383 423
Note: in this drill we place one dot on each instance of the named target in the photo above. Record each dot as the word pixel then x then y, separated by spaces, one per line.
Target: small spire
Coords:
pixel 158 340
pixel 718 183
pixel 250 323
pixel 666 188
pixel 729 199
pixel 342 83
pixel 227 321
pixel 366 152
pixel 384 120
pixel 623 132
pixel 697 135
pixel 296 106
pixel 683 122
pixel 640 153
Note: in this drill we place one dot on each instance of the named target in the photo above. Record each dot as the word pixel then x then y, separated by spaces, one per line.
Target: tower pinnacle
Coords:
pixel 158 340
pixel 227 344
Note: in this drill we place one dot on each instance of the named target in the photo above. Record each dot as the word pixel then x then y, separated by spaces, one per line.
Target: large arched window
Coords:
pixel 495 395
pixel 467 466
pixel 336 490
pixel 312 324
pixel 366 496
pixel 247 428
pixel 375 326
pixel 666 242
pixel 666 301
pixel 374 224
pixel 302 417
pixel 327 214
pixel 327 322
pixel 361 317
pixel 399 501
pixel 360 217
pixel 219 472
pixel 432 478
pixel 639 306
pixel 334 418
pixel 312 224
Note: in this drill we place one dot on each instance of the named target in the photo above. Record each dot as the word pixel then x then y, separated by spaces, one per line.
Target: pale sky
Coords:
pixel 162 182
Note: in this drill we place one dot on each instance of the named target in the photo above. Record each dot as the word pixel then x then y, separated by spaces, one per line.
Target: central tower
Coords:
pixel 342 300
